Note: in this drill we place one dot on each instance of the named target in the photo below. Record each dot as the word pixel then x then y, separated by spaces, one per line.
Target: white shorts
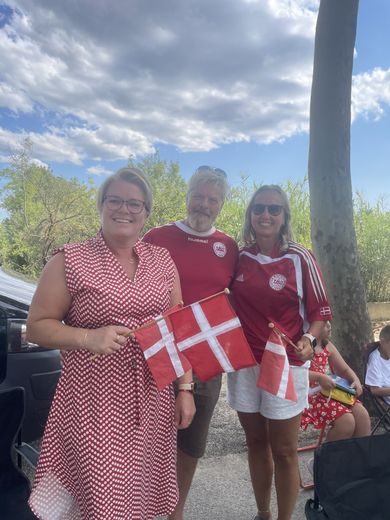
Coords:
pixel 244 396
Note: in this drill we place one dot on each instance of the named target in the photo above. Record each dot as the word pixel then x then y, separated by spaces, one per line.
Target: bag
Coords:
pixel 342 392
pixel 352 478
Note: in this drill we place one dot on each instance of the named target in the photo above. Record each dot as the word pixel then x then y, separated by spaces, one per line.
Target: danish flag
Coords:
pixel 275 372
pixel 210 335
pixel 158 345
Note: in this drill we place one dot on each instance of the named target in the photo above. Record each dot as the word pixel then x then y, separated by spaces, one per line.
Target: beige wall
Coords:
pixel 379 311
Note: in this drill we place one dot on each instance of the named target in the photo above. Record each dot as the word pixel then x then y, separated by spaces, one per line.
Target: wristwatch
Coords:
pixel 313 340
pixel 186 387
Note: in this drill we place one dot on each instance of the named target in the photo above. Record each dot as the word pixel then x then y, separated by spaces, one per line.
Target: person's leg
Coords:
pixel 259 459
pixel 191 442
pixel 342 428
pixel 185 467
pixel 362 421
pixel 283 435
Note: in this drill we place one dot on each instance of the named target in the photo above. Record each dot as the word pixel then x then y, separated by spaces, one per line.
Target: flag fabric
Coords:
pixel 210 336
pixel 275 372
pixel 157 342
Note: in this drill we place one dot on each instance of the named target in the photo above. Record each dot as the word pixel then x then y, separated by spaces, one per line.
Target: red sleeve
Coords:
pixel 315 297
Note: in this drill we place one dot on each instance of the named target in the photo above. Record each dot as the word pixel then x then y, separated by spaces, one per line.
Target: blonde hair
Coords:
pixel 248 233
pixel 131 175
pixel 207 174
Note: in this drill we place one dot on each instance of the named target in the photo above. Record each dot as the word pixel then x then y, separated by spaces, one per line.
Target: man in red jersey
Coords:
pixel 206 259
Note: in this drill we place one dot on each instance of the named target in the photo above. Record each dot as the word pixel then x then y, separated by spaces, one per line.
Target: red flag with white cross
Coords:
pixel 275 372
pixel 210 336
pixel 157 342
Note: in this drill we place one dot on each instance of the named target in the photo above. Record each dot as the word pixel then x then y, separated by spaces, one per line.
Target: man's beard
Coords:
pixel 199 221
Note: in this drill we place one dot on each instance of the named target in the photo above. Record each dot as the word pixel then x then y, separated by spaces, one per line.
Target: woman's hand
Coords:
pixel 184 409
pixel 104 340
pixel 326 382
pixel 358 386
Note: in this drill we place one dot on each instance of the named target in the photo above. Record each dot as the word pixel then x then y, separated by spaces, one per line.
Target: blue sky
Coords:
pixel 225 83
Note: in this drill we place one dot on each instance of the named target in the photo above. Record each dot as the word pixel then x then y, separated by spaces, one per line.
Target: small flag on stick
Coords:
pixel 275 372
pixel 158 345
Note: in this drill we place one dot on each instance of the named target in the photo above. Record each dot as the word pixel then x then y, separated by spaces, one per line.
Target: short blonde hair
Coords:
pixel 131 175
pixel 248 233
pixel 208 174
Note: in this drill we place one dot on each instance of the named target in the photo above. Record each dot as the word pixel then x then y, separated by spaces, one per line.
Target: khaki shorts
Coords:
pixel 193 439
pixel 244 396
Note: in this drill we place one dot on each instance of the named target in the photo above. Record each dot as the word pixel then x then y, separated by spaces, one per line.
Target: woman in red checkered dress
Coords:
pixel 109 449
pixel 344 421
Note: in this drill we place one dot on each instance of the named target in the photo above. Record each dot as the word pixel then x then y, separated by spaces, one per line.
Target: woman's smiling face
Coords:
pixel 122 223
pixel 265 224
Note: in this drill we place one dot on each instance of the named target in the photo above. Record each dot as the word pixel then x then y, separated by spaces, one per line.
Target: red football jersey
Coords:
pixel 206 261
pixel 285 288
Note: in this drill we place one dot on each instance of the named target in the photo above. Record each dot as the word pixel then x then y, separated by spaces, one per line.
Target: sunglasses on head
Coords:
pixel 206 168
pixel 273 209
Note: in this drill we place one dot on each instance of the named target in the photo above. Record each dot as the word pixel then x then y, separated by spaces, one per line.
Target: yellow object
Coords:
pixel 340 395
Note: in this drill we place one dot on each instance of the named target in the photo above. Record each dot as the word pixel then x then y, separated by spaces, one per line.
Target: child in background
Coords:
pixel 344 421
pixel 378 367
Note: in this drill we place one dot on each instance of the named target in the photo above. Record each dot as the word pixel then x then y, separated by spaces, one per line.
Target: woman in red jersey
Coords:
pixel 277 281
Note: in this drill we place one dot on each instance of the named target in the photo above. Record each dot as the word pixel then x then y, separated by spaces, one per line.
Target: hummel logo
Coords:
pixel 240 278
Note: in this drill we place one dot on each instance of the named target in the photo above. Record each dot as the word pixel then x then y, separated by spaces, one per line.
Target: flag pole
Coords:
pixel 150 322
pixel 286 338
pixel 282 335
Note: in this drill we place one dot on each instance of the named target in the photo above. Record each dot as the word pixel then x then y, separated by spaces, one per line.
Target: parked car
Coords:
pixel 35 368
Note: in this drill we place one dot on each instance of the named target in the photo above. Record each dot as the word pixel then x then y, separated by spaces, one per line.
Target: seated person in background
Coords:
pixel 378 367
pixel 344 421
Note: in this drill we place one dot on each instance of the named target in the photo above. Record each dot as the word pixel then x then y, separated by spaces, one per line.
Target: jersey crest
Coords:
pixel 277 282
pixel 219 249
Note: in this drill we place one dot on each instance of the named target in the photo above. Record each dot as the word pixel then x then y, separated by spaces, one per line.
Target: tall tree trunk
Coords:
pixel 333 232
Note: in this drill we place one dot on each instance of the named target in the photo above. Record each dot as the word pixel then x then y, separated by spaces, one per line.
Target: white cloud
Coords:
pixel 370 93
pixel 111 79
pixel 99 170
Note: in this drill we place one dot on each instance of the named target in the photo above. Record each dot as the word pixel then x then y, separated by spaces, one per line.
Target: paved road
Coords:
pixel 222 489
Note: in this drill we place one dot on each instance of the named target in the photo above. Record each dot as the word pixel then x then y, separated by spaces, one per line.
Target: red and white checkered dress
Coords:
pixel 109 449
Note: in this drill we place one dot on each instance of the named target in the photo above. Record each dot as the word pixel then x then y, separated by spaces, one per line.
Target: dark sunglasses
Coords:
pixel 206 168
pixel 273 209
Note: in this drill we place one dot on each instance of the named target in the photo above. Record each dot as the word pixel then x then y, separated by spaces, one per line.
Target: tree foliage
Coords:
pixel 372 224
pixel 168 187
pixel 44 212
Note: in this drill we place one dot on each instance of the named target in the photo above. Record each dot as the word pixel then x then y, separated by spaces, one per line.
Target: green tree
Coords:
pixel 169 189
pixel 44 212
pixel 372 224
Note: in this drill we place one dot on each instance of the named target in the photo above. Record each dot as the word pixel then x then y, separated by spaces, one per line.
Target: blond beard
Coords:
pixel 199 222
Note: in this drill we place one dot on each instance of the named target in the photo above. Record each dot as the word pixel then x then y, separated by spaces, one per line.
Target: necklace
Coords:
pixel 132 260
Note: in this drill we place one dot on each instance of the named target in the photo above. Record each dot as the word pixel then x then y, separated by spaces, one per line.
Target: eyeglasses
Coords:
pixel 206 168
pixel 115 203
pixel 273 209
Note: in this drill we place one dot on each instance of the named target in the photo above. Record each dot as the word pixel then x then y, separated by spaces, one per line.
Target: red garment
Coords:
pixel 210 336
pixel 285 288
pixel 276 374
pixel 109 449
pixel 322 411
pixel 206 261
